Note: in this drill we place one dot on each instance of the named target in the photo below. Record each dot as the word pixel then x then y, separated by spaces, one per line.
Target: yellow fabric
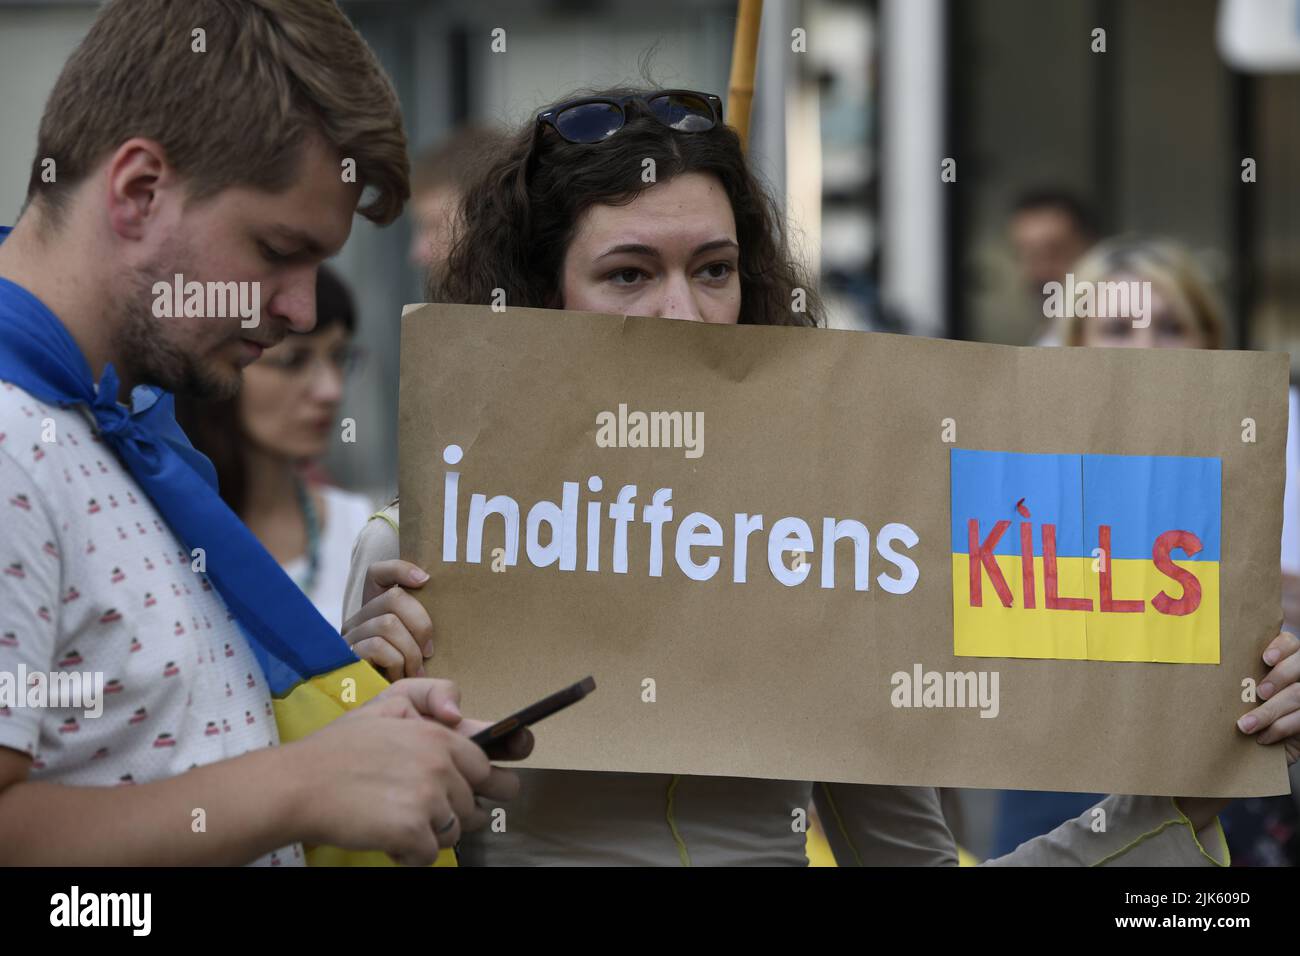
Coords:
pixel 310 706
pixel 816 846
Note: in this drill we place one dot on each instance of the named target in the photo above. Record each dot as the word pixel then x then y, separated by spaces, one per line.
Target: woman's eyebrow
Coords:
pixel 634 248
pixel 715 244
pixel 637 248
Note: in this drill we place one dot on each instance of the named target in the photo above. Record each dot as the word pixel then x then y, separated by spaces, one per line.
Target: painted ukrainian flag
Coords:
pixel 1086 557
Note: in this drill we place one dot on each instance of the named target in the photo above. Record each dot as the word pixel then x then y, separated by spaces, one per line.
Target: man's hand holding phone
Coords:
pixel 400 774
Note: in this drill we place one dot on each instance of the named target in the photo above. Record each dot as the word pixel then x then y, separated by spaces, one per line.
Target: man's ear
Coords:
pixel 137 175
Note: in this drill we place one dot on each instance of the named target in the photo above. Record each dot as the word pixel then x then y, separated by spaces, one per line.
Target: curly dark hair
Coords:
pixel 515 223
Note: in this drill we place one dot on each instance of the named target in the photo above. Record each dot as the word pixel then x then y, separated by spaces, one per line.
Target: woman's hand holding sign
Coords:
pixel 392 629
pixel 1276 720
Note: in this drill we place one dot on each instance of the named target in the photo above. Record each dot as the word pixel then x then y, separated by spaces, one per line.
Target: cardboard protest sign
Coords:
pixel 821 555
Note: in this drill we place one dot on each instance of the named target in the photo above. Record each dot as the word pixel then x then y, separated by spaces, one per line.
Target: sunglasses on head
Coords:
pixel 595 118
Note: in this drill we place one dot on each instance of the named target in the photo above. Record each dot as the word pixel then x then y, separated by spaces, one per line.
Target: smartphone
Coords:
pixel 494 735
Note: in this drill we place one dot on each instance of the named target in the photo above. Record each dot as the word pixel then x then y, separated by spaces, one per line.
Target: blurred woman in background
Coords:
pixel 1183 311
pixel 265 441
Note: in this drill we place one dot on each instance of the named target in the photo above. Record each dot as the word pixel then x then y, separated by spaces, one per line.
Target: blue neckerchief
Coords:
pixel 290 639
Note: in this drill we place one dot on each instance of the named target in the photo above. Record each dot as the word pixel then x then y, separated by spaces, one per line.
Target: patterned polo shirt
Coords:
pixel 93 581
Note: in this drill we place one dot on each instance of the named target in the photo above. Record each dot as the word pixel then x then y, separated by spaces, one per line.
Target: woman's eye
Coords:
pixel 718 270
pixel 273 255
pixel 297 360
pixel 625 276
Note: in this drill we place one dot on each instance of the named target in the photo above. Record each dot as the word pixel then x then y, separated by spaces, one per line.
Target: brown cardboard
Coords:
pixel 759 679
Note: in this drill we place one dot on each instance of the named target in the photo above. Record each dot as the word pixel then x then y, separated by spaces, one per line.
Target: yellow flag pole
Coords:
pixel 744 62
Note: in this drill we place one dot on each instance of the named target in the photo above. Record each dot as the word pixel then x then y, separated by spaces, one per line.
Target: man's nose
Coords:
pixel 295 301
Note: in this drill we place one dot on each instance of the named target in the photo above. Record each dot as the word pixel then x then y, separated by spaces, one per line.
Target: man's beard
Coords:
pixel 146 349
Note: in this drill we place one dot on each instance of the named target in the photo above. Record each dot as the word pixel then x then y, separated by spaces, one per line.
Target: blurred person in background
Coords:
pixel 439 177
pixel 1049 230
pixel 1183 313
pixel 265 440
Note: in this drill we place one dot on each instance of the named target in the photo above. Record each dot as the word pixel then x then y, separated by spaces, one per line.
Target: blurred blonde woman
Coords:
pixel 1184 312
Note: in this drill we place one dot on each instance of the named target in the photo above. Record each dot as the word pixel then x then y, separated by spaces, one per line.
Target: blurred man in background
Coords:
pixel 439 176
pixel 1049 230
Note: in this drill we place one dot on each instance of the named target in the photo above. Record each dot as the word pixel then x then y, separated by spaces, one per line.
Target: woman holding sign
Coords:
pixel 641 203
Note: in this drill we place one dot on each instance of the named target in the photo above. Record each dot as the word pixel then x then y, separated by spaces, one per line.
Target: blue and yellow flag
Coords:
pixel 1086 557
